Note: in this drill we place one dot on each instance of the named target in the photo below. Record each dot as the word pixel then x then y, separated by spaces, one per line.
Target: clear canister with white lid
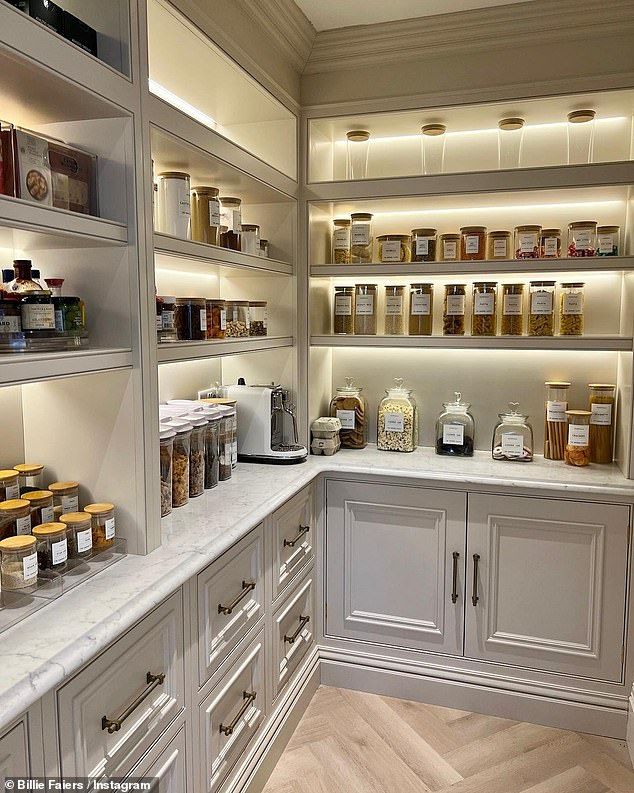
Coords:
pixel 180 460
pixel 196 453
pixel 174 206
pixel 166 441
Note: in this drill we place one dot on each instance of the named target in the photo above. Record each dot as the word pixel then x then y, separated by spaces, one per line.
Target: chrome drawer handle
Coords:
pixel 249 698
pixel 454 583
pixel 292 543
pixel 303 621
pixel 247 586
pixel 474 594
pixel 114 725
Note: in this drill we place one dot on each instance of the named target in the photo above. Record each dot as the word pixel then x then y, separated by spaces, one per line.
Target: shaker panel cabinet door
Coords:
pixel 546 584
pixel 395 562
pixel 291 530
pixel 167 770
pixel 14 753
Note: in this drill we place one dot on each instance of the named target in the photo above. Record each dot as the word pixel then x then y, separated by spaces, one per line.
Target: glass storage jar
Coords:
pixel 541 317
pixel 423 245
pixel 341 241
pixel 581 136
pixel 264 249
pixel 394 248
pixel 216 319
pixel 394 310
pixel 41 503
pixel 174 207
pixel 433 140
pixel 250 239
pixel 205 220
pixel 555 419
pixel 180 461
pixel 357 151
pixel 78 533
pixel 582 238
pixel 9 487
pixel 238 320
pixel 602 400
pixel 38 315
pixel 258 318
pixel 18 564
pixel 453 321
pixel 15 517
pixel 212 450
pixel 528 242
pixel 512 323
pixel 397 422
pixel 513 436
pixel 166 329
pixel 499 245
pixel 421 309
pixel 455 429
pixel 608 240
pixel 473 243
pixel 577 451
pixel 571 309
pixel 103 525
pixel 448 248
pixel 166 441
pixel 343 310
pixel 65 497
pixel 510 138
pixel 361 238
pixel 196 453
pixel 230 222
pixel 52 546
pixel 350 407
pixel 365 307
pixel 484 320
pixel 225 444
pixel 30 476
pixel 550 244
pixel 191 318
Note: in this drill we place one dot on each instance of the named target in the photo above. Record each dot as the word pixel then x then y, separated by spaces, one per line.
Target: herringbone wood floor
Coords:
pixel 350 742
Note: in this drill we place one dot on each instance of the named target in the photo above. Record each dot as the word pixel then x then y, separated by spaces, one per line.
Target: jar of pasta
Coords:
pixel 528 242
pixel 361 238
pixel 343 310
pixel 453 321
pixel 421 309
pixel 394 248
pixel 541 316
pixel 608 240
pixel 484 320
pixel 473 243
pixel 9 487
pixel 577 451
pixel 365 309
pixel 448 248
pixel 41 503
pixel 550 245
pixel 341 241
pixel 423 245
pixel 512 323
pixel 499 245
pixel 103 525
pixel 394 310
pixel 602 399
pixel 582 238
pixel 571 309
pixel 18 564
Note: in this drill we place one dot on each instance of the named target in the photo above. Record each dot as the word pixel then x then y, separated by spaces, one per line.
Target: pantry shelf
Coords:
pixel 193 350
pixel 582 343
pixel 17 368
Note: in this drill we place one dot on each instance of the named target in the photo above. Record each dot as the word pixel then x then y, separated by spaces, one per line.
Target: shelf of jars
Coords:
pixel 194 350
pixel 581 343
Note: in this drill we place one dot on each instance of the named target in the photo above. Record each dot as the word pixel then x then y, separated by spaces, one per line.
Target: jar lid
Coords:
pixel 196 420
pixel 455 286
pixel 399 237
pixel 543 283
pixel 557 384
pixel 340 222
pixel 478 229
pixel 423 232
pixel 29 468
pixel 499 233
pixel 398 389
pixel 223 401
pixel 349 387
pixel 486 284
pixel 511 124
pixel 212 191
pixel 363 288
pixel 20 543
pixel 358 135
pixel 580 224
pixel 183 301
pixel 609 229
pixel 396 289
pixel 578 413
pixel 258 303
pixel 343 288
pixel 452 236
pixel 74 517
pixel 250 227
pixel 576 285
pixel 581 116
pixel 529 227
pixel 237 302
pixel 513 415
pixel 181 426
pixel 99 508
pixel 167 298
pixel 9 473
pixel 173 175
pixel 47 529
pixel 551 231
pixel 37 496
pixel 421 286
pixel 433 130
pixel 230 201
pixel 457 404
pixel 602 386
pixel 513 286
pixel 165 432
pixel 13 505
pixel 361 216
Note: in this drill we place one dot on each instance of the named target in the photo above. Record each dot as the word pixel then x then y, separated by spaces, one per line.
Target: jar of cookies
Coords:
pixel 577 451
pixel 350 407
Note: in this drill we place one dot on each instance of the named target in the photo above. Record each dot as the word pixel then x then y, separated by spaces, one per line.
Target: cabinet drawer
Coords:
pixel 14 753
pixel 291 530
pixel 231 714
pixel 139 681
pixel 293 627
pixel 230 601
pixel 166 766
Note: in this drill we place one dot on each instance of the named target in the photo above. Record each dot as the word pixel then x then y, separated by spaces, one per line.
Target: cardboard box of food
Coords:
pixel 32 172
pixel 80 33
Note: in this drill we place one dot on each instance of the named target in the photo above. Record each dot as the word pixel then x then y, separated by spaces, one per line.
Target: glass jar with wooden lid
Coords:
pixel 361 238
pixel 258 317
pixel 41 502
pixel 582 238
pixel 528 242
pixel 52 546
pixel 484 320
pixel 103 525
pixel 577 451
pixel 394 248
pixel 473 243
pixel 394 311
pixel 512 323
pixel 556 422
pixel 341 241
pixel 602 415
pixel 250 239
pixel 216 318
pixel 499 245
pixel 15 517
pixel 550 245
pixel 350 407
pixel 18 564
pixel 365 309
pixel 541 317
pixel 205 219
pixel 65 497
pixel 9 484
pixel 230 222
pixel 608 240
pixel 79 534
pixel 30 476
pixel 421 309
pixel 343 310
pixel 571 309
pixel 453 321
pixel 448 248
pixel 424 245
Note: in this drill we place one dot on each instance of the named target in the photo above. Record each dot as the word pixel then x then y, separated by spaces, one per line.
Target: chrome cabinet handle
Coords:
pixel 114 725
pixel 303 621
pixel 249 698
pixel 292 543
pixel 247 586
pixel 474 593
pixel 454 581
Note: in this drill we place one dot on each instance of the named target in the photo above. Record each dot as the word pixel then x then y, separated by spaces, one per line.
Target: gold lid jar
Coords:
pixel 9 484
pixel 79 534
pixel 65 497
pixel 15 517
pixel 52 546
pixel 41 502
pixel 103 525
pixel 18 564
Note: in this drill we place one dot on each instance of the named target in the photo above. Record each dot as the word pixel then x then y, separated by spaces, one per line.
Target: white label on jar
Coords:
pixel 23 525
pixel 573 303
pixel 360 234
pixel 393 305
pixel 38 316
pixel 542 303
pixel 11 491
pixel 223 319
pixel 583 239
pixel 550 246
pixel 453 434
pixel 449 249
pixel 48 514
pixel 109 528
pixel 528 242
pixel 214 212
pixel 556 411
pixel 203 319
pixel 341 239
pixel 421 305
pixel 512 444
pixel 29 567
pixel 601 414
pixel 500 249
pixel 484 303
pixel 578 434
pixel 394 422
pixel 347 419
pixel 513 305
pixel 10 324
pixel 84 540
pixel 606 243
pixel 167 320
pixel 391 251
pixel 422 246
pixel 59 551
pixel 472 243
pixel 365 305
pixel 231 218
pixel 184 206
pixel 70 503
pixel 455 305
pixel 343 305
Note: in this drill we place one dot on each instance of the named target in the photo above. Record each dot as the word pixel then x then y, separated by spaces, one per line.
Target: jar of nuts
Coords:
pixel 397 423
pixel 238 321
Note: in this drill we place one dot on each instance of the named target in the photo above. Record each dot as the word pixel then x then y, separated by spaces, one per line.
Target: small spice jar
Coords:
pixel 196 453
pixel 473 243
pixel 9 486
pixel 453 321
pixel 556 422
pixel 512 323
pixel 230 222
pixel 166 441
pixel 394 248
pixel 174 207
pixel 18 564
pixel 65 497
pixel 78 533
pixel 365 308
pixel 571 309
pixel 421 309
pixel 423 245
pixel 602 399
pixel 528 242
pixel 550 244
pixel 166 319
pixel 205 219
pixel 582 238
pixel 238 319
pixel 397 421
pixel 608 240
pixel 350 407
pixel 455 429
pixel 41 503
pixel 52 546
pixel 180 461
pixel 541 317
pixel 484 321
pixel 30 476
pixel 15 517
pixel 103 525
pixel 361 238
pixel 216 319
pixel 448 248
pixel 250 239
pixel 499 245
pixel 577 451
pixel 513 436
pixel 343 310
pixel 191 318
pixel 341 241
pixel 258 318
pixel 394 310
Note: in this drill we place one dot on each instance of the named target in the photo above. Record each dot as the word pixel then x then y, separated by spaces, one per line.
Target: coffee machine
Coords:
pixel 267 426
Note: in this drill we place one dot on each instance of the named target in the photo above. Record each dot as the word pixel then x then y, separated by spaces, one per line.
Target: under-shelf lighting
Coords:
pixel 181 104
pixel 587 205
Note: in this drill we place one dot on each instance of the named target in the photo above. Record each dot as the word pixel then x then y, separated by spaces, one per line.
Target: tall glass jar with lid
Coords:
pixel 365 309
pixel 196 453
pixel 455 429
pixel 397 421
pixel 423 245
pixel 528 242
pixel 512 323
pixel 166 436
pixel 205 220
pixel 341 241
pixel 361 239
pixel 174 208
pixel 484 322
pixel 541 316
pixel 571 309
pixel 454 312
pixel 421 309
pixel 343 310
pixel 350 407
pixel 513 436
pixel 230 222
pixel 394 310
pixel 555 419
pixel 473 243
pixel 582 238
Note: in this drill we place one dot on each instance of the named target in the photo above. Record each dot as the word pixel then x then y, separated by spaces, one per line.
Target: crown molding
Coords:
pixel 478 29
pixel 286 25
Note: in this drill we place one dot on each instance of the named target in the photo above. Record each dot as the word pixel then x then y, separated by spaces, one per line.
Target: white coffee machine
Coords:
pixel 266 422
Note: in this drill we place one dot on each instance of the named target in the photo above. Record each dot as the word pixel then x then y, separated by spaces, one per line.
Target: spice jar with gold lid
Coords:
pixel 18 564
pixel 423 245
pixel 15 517
pixel 9 484
pixel 30 476
pixel 65 497
pixel 79 534
pixel 205 215
pixel 473 243
pixel 103 525
pixel 41 502
pixel 52 546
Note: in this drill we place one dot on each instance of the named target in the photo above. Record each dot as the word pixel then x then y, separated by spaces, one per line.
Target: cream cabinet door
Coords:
pixel 546 584
pixel 293 632
pixel 167 770
pixel 14 753
pixel 395 563
pixel 291 530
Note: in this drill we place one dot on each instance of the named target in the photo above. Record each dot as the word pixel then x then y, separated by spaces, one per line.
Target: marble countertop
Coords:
pixel 48 647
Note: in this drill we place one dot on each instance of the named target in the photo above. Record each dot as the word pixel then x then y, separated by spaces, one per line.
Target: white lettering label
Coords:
pixel 453 434
pixel 601 414
pixel 421 305
pixel 203 319
pixel 347 419
pixel 223 319
pixel 484 303
pixel 38 316
pixel 583 239
pixel 578 434
pixel 394 422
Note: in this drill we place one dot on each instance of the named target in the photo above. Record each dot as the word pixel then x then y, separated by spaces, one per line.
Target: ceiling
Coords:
pixel 329 14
